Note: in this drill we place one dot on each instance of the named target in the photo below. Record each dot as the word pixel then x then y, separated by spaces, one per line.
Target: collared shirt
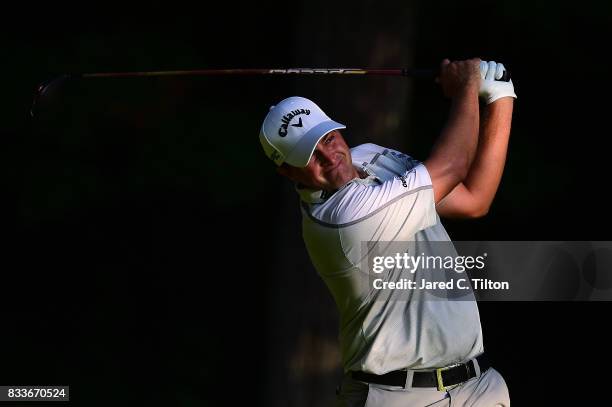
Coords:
pixel 393 203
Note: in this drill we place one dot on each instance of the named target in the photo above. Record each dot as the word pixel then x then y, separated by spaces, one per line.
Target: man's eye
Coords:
pixel 329 139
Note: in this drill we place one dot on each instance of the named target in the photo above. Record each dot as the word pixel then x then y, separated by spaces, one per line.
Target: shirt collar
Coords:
pixel 312 196
pixel 315 196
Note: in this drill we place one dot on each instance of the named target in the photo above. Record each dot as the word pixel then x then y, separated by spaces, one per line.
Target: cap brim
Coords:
pixel 301 153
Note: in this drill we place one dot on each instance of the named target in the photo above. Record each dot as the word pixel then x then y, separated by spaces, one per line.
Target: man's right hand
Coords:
pixel 457 76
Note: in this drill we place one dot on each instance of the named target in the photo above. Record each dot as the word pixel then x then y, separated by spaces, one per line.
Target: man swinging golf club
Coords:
pixel 399 353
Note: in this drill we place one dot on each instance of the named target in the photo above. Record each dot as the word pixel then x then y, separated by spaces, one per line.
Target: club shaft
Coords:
pixel 417 73
pixel 283 71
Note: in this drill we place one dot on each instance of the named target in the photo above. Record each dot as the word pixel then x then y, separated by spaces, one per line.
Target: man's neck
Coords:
pixel 358 173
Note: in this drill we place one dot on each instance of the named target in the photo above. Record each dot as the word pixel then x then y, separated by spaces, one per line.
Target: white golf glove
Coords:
pixel 490 88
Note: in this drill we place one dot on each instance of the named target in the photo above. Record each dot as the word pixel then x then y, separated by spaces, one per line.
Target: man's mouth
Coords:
pixel 340 159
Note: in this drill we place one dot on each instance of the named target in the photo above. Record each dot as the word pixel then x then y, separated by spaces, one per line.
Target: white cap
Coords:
pixel 292 129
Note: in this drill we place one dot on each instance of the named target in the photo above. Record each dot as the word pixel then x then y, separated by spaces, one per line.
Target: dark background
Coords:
pixel 153 257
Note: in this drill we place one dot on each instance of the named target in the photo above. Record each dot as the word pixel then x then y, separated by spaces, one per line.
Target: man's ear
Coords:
pixel 284 170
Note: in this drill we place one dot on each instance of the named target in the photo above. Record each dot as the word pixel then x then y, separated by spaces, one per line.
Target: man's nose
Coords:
pixel 326 157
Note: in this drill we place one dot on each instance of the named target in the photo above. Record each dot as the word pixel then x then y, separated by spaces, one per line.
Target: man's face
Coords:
pixel 329 168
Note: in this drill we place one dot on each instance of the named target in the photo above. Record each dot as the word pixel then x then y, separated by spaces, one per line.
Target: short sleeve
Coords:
pixel 407 195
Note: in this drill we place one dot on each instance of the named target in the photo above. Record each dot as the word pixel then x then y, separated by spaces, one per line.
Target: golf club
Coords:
pixel 55 82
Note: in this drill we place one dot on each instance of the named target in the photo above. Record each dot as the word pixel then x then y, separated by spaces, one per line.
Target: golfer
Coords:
pixel 410 352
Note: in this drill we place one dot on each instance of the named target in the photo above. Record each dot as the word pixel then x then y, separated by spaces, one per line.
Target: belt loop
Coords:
pixel 476 367
pixel 409 377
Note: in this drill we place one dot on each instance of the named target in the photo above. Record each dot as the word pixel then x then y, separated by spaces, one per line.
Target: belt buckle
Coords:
pixel 439 377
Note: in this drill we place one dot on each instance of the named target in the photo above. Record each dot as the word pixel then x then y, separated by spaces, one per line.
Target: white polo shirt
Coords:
pixel 394 203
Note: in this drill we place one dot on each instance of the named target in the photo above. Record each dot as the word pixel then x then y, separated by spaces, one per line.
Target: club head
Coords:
pixel 46 88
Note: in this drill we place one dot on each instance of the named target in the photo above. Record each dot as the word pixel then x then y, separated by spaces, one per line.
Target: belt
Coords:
pixel 440 378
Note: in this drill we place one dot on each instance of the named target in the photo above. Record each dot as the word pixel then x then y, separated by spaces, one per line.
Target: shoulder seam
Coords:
pixel 343 225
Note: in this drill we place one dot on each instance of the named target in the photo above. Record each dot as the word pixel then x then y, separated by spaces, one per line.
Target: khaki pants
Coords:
pixel 486 390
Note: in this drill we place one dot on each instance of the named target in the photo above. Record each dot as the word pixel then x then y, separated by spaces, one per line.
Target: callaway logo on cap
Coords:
pixel 292 129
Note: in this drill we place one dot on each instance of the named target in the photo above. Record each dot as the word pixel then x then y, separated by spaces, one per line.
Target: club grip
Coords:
pixel 433 73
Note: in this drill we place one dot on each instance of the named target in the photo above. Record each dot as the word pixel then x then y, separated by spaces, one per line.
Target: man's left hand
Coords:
pixel 492 89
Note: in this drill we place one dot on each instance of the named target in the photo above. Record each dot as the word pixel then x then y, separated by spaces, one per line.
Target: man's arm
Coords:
pixel 452 155
pixel 473 197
